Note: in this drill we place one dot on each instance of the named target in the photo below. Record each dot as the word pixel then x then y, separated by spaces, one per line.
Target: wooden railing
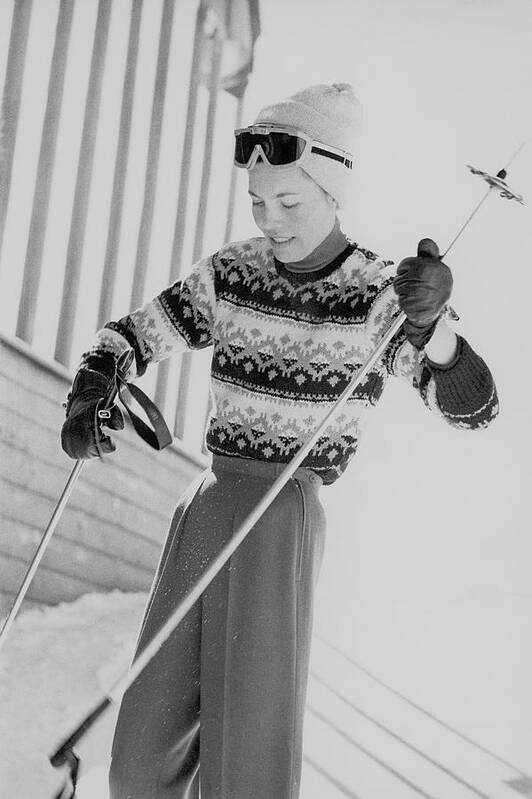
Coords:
pixel 91 222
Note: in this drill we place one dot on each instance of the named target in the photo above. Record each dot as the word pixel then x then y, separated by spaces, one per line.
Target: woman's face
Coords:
pixel 291 210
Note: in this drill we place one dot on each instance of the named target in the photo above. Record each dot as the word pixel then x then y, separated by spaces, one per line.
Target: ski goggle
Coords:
pixel 281 146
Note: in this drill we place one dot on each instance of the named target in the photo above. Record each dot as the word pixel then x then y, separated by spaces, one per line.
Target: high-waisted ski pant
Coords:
pixel 222 702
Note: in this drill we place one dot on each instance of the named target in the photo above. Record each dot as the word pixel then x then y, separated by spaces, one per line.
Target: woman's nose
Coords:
pixel 272 220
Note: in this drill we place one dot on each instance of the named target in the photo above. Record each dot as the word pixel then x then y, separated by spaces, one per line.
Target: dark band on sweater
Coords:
pixel 140 361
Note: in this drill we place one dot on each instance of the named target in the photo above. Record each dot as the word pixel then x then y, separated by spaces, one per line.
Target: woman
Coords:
pixel 290 315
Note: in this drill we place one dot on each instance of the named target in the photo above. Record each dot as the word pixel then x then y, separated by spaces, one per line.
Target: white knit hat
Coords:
pixel 329 114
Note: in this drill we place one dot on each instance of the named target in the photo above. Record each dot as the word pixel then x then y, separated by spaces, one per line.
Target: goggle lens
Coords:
pixel 279 148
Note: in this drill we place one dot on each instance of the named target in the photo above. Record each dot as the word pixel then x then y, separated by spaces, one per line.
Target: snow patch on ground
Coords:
pixel 361 739
pixel 55 665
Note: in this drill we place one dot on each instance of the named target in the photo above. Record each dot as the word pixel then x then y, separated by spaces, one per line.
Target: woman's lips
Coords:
pixel 280 241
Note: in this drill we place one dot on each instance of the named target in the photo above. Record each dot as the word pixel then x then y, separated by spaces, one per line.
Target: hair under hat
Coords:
pixel 329 114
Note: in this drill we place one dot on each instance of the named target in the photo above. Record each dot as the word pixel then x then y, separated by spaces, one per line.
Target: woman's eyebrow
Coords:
pixel 281 193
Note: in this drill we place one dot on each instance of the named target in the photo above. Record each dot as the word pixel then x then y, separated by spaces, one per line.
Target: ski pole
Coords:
pixel 102 412
pixel 52 524
pixel 64 754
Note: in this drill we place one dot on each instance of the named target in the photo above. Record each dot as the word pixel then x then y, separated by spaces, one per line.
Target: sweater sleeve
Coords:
pixel 179 318
pixel 462 392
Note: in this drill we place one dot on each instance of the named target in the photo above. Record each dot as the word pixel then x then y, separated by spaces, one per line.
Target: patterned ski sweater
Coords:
pixel 285 346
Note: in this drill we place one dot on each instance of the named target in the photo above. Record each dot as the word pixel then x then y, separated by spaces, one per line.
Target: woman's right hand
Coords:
pixel 81 434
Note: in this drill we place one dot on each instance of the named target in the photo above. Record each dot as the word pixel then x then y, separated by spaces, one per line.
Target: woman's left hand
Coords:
pixel 423 285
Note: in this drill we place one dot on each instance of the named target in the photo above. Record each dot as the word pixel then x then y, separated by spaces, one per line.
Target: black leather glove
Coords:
pixel 423 285
pixel 81 434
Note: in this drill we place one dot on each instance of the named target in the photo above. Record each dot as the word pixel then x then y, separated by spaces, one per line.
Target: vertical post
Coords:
pixel 122 154
pixel 184 180
pixel 232 185
pixel 214 82
pixel 154 146
pixel 16 60
pixel 230 213
pixel 82 189
pixel 45 168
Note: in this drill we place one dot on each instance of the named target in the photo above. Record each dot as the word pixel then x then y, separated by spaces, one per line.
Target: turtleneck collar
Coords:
pixel 331 246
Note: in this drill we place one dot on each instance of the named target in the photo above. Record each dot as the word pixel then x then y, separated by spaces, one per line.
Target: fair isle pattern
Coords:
pixel 179 318
pixel 285 346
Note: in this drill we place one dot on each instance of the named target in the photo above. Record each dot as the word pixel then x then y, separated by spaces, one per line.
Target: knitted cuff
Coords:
pixel 465 385
pixel 123 327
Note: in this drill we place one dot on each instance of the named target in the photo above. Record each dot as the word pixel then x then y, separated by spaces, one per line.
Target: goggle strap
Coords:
pixel 334 156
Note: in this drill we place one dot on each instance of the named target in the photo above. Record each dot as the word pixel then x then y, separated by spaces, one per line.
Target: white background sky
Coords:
pixel 429 553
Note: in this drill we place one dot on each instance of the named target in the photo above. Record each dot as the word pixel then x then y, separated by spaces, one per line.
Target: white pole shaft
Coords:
pixel 467 221
pixel 48 533
pixel 121 685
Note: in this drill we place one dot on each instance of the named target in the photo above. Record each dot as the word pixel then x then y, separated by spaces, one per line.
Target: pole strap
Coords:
pixel 158 436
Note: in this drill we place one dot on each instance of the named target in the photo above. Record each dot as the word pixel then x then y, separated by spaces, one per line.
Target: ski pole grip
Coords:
pixel 60 757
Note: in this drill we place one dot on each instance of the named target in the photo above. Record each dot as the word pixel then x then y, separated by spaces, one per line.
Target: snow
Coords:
pixel 55 665
pixel 363 737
